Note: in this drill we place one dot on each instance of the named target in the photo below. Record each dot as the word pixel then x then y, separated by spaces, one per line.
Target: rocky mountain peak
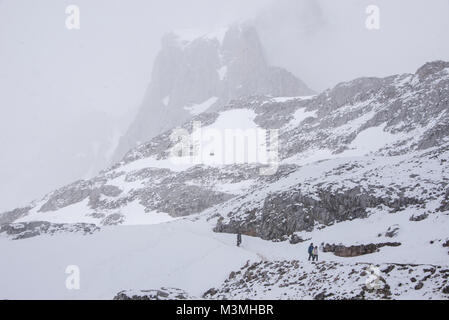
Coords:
pixel 432 68
pixel 196 71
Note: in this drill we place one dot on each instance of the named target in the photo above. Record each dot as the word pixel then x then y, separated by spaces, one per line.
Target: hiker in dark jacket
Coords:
pixel 310 251
pixel 239 239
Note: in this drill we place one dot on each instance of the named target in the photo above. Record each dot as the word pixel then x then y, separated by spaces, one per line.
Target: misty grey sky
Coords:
pixel 55 84
pixel 325 41
pixel 64 92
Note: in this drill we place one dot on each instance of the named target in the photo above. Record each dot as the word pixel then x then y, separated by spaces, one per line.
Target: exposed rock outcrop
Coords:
pixel 392 231
pixel 158 294
pixel 419 217
pixel 285 213
pixel 357 250
pixel 24 230
pixel 11 216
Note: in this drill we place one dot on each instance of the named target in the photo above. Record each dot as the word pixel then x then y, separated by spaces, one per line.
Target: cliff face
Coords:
pixel 194 73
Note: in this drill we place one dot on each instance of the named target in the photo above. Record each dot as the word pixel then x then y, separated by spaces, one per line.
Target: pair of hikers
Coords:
pixel 313 252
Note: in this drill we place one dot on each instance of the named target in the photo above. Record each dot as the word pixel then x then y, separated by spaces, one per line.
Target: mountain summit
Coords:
pixel 195 71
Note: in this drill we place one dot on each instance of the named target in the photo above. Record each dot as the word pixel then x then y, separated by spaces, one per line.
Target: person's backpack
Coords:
pixel 310 249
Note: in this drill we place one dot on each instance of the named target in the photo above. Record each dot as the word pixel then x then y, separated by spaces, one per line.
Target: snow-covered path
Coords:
pixel 184 254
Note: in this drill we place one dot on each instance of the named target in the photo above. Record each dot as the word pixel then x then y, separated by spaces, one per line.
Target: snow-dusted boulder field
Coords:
pixel 333 280
pixel 362 172
pixel 159 294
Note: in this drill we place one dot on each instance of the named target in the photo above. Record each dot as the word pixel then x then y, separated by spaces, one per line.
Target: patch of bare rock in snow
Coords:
pixel 25 230
pixel 156 294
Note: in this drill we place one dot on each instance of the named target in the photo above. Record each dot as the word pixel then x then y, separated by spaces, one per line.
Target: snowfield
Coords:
pixel 187 254
pixel 178 254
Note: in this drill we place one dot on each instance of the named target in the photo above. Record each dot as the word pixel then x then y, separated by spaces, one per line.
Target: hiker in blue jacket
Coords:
pixel 310 251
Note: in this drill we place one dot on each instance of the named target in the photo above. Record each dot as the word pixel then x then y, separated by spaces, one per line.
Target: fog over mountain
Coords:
pixel 196 71
pixel 66 94
pixel 326 42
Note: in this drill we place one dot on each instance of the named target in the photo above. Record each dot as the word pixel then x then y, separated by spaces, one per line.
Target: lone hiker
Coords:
pixel 239 239
pixel 315 253
pixel 310 251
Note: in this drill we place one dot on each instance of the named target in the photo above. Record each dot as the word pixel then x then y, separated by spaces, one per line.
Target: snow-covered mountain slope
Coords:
pixel 363 172
pixel 362 145
pixel 195 71
pixel 373 144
